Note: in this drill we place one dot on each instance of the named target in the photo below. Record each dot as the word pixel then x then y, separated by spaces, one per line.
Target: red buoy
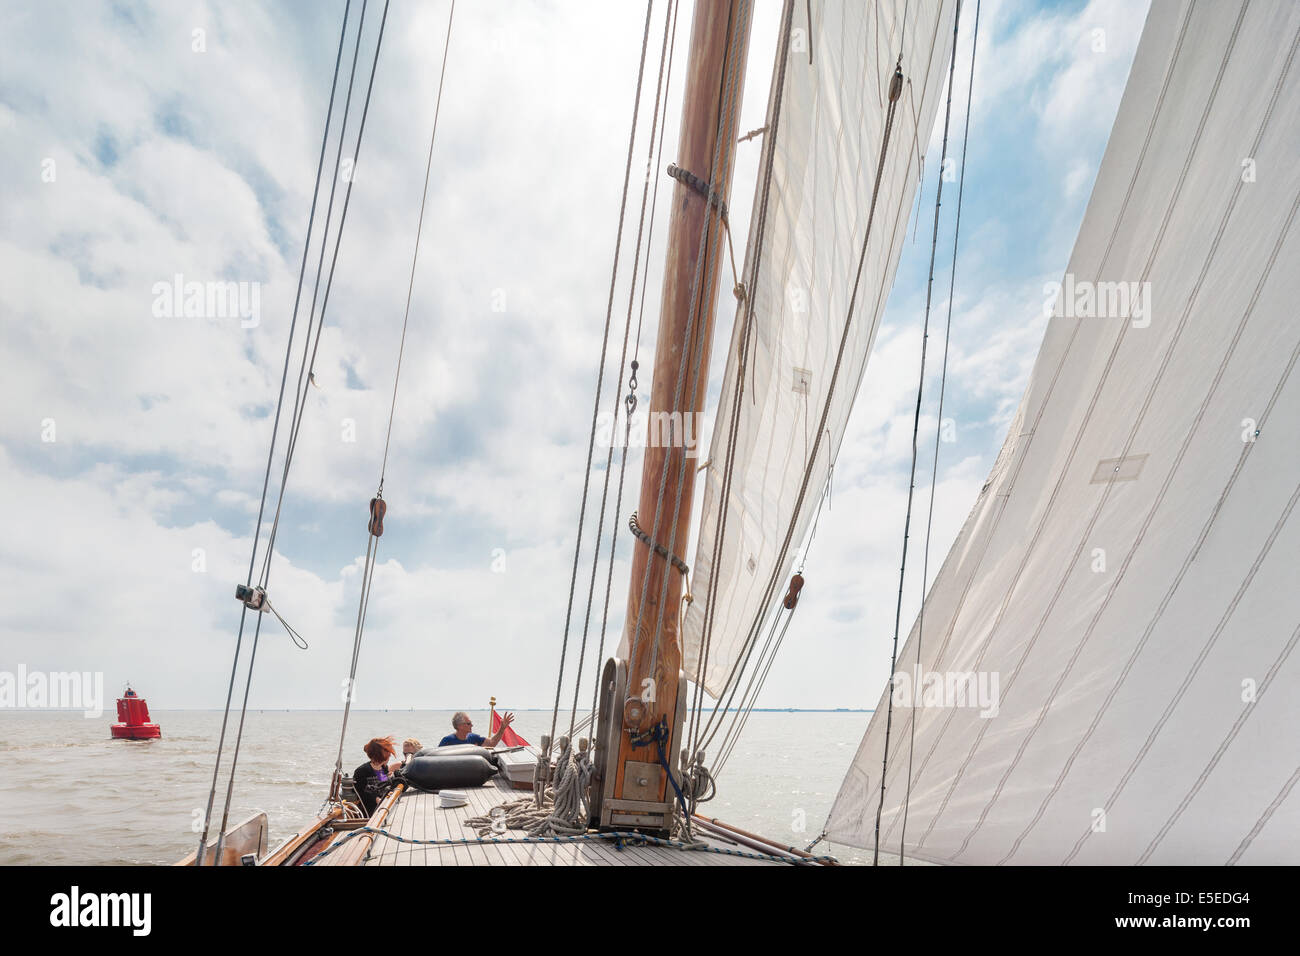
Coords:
pixel 133 719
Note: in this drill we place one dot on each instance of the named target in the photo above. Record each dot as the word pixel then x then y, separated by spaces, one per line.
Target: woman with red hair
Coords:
pixel 374 779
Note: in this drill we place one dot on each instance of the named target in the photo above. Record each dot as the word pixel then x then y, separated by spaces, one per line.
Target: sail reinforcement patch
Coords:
pixel 1118 469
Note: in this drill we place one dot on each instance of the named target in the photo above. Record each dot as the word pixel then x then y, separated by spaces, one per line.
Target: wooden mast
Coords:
pixel 636 790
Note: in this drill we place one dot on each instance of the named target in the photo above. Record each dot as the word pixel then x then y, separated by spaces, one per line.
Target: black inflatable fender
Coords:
pixel 428 772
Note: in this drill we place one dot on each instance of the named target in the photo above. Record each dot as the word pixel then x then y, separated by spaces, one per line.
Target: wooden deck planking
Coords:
pixel 484 799
pixel 455 820
pixel 445 831
pixel 417 816
pixel 389 852
pixel 427 832
pixel 410 854
pixel 441 831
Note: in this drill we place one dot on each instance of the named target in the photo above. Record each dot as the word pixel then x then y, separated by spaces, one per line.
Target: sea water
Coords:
pixel 70 794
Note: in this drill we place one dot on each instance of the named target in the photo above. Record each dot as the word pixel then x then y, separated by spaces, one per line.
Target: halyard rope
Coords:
pixel 943 379
pixel 266 480
pixel 376 526
pixel 895 90
pixel 916 424
pixel 669 20
pixel 600 379
pixel 300 408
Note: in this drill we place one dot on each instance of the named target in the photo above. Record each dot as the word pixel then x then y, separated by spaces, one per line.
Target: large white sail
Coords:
pixel 824 155
pixel 1128 575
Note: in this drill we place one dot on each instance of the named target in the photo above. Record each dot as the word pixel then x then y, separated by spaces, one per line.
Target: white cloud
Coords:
pixel 172 162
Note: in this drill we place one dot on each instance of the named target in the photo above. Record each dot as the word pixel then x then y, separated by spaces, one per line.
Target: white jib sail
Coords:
pixel 825 154
pixel 1126 585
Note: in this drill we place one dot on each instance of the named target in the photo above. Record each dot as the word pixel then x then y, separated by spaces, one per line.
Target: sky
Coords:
pixel 141 142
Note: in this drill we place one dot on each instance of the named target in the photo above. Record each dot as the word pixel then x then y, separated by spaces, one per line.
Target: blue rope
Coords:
pixel 659 734
pixel 620 838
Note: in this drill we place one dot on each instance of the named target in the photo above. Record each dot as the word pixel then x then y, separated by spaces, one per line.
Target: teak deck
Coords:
pixel 417 816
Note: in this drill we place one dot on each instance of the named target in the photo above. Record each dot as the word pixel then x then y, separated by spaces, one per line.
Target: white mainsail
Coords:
pixel 1129 571
pixel 824 157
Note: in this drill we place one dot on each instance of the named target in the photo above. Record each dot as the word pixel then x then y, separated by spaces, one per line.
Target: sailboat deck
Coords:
pixel 417 816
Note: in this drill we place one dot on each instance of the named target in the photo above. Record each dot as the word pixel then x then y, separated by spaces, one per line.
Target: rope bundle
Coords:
pixel 557 810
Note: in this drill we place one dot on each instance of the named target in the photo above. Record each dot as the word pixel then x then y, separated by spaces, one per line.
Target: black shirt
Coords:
pixel 371 785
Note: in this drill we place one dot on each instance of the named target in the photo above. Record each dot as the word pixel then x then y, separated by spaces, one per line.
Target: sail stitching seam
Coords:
pixel 1087 419
pixel 1019 464
pixel 1104 497
pixel 1227 741
pixel 1191 555
pixel 1263 820
pixel 760 616
pixel 1200 659
pixel 1023 448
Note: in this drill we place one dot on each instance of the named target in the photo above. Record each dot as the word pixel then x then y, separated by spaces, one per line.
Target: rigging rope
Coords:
pixel 294 636
pixel 710 597
pixel 600 375
pixel 916 424
pixel 300 389
pixel 376 527
pixel 301 408
pixel 728 98
pixel 284 378
pixel 824 505
pixel 630 401
pixel 367 576
pixel 728 106
pixel 617 400
pixel 943 379
pixel 415 256
pixel 724 115
pixel 759 676
pixel 657 548
pixel 895 90
pixel 766 658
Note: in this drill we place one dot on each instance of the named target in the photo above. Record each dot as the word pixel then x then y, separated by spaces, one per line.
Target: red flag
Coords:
pixel 509 737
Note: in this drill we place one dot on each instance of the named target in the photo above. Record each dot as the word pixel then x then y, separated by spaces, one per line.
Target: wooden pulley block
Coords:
pixel 377 511
pixel 792 595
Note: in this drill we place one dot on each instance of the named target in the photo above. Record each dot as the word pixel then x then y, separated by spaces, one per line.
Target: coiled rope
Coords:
pixel 558 810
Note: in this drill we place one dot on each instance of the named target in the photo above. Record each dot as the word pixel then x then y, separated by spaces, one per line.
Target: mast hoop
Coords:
pixel 657 548
pixel 691 181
